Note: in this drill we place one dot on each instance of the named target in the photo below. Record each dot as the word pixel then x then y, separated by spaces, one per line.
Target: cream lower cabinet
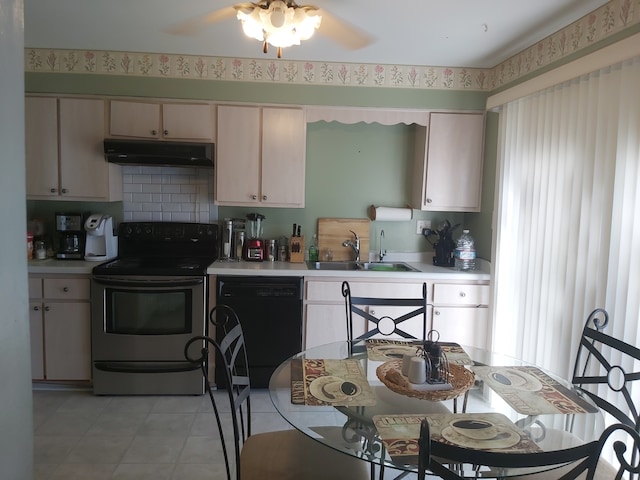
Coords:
pixel 60 316
pixel 448 162
pixel 64 151
pixel 325 318
pixel 261 155
pixel 163 121
pixel 461 313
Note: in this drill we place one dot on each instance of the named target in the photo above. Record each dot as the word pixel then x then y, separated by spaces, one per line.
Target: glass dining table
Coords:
pixel 495 416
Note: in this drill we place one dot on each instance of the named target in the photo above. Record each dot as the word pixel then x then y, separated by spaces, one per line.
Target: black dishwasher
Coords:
pixel 270 312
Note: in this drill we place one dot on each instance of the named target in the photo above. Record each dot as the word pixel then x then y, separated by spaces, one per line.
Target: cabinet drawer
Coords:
pixel 332 291
pixel 35 288
pixel 466 326
pixel 67 288
pixel 452 294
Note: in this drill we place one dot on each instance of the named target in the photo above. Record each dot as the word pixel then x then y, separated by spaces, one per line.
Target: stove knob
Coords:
pixel 128 231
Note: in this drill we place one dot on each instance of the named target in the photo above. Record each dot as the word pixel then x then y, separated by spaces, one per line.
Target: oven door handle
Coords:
pixel 160 282
pixel 156 367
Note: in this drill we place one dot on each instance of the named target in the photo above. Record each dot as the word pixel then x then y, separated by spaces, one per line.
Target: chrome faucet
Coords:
pixel 355 245
pixel 381 252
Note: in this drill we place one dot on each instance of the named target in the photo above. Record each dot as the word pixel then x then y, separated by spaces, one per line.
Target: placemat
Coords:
pixel 329 382
pixel 491 432
pixel 383 349
pixel 530 391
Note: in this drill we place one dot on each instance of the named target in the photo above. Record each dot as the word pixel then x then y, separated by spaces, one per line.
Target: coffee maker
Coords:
pixel 102 244
pixel 71 235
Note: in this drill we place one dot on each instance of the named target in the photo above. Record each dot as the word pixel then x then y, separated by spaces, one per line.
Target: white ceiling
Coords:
pixel 409 32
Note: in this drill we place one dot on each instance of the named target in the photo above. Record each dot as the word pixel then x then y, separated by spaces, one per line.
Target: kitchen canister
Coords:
pixel 417 370
pixel 272 250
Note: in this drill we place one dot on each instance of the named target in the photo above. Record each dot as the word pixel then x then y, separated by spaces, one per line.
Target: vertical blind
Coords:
pixel 567 216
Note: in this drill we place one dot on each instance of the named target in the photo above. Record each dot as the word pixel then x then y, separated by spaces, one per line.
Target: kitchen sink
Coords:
pixel 365 266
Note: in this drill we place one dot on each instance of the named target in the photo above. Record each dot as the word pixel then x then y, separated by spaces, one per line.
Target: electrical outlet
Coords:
pixel 421 225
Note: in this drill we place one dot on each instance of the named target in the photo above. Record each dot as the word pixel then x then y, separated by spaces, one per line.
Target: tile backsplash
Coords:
pixel 168 194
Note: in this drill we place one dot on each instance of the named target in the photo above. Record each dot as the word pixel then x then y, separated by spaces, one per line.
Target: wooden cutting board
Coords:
pixel 333 231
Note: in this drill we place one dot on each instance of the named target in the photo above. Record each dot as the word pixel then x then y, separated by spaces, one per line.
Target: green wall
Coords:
pixel 349 167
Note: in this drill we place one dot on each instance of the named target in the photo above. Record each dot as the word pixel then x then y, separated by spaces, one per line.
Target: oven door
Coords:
pixel 145 319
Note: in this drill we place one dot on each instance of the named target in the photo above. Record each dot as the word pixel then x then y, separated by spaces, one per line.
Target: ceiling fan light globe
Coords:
pixel 251 24
pixel 283 39
pixel 278 23
pixel 306 25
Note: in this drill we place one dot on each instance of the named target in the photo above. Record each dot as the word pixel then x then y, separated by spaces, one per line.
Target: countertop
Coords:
pixel 418 261
pixel 55 266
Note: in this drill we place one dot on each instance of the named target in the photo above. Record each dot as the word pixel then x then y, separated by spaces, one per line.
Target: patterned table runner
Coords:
pixel 530 391
pixel 383 349
pixel 329 382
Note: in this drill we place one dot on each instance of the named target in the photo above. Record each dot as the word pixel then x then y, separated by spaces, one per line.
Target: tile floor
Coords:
pixel 79 436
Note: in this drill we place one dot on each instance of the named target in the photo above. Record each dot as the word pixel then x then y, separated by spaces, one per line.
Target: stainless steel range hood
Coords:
pixel 153 152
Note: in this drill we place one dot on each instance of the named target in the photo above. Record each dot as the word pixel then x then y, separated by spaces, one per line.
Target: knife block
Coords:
pixel 296 249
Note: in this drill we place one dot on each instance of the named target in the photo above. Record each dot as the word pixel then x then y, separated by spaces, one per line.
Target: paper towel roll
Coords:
pixel 390 214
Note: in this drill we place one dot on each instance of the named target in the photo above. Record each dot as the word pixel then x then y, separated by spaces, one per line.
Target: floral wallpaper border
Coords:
pixel 609 19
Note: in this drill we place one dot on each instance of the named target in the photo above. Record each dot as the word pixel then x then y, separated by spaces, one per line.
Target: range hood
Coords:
pixel 154 152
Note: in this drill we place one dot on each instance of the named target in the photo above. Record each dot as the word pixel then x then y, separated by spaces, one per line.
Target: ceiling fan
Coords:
pixel 281 23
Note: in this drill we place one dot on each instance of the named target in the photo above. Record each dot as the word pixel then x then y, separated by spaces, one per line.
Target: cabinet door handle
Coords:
pixel 264 197
pixel 154 132
pixel 36 308
pixel 429 200
pixel 462 294
pixel 165 132
pixel 47 308
pixel 64 190
pixel 65 289
pixel 437 312
pixel 53 190
pixel 254 197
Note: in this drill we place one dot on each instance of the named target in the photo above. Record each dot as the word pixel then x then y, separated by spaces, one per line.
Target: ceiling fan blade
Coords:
pixel 193 25
pixel 342 32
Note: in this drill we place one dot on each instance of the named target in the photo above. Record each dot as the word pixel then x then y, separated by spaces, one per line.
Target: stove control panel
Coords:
pixel 169 238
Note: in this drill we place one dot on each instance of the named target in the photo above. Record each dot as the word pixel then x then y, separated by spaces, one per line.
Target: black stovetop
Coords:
pixel 163 248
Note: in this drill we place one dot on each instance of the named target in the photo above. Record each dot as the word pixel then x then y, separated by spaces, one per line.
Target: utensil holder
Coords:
pixel 296 249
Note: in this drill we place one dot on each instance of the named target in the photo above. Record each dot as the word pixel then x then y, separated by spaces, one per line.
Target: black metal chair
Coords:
pixel 424 449
pixel 384 325
pixel 603 360
pixel 585 462
pixel 282 455
pixel 602 365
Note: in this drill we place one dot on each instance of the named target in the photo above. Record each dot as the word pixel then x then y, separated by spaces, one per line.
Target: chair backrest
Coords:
pixel 584 460
pixel 424 449
pixel 385 325
pixel 605 360
pixel 231 352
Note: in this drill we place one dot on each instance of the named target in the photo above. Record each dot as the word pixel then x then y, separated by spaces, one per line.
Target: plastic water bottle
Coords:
pixel 313 249
pixel 465 253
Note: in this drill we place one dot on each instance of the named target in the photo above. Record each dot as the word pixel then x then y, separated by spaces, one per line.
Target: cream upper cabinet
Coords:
pixel 284 143
pixel 41 147
pixel 448 163
pixel 163 121
pixel 260 156
pixel 64 151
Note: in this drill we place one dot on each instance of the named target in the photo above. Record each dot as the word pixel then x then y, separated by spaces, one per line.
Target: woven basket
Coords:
pixel 460 378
